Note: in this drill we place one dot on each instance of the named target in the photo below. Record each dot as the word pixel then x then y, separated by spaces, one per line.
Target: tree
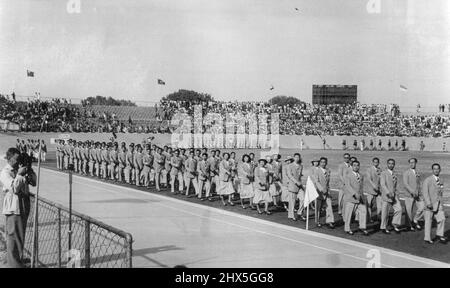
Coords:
pixel 102 100
pixel 188 95
pixel 282 100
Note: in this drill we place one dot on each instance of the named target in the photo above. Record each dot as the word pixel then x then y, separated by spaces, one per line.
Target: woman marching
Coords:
pixel 246 179
pixel 234 177
pixel 262 187
pixel 226 184
pixel 275 173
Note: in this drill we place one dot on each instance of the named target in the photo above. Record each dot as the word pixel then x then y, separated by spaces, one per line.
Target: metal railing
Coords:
pixel 94 244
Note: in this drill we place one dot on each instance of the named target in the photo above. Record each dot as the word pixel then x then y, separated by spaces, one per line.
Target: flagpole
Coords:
pixel 315 210
pixel 307 217
pixel 35 247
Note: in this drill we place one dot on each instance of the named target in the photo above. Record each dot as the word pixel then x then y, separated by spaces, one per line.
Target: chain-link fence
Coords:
pixel 93 243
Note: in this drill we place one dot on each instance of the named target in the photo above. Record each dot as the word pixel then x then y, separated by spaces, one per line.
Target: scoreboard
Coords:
pixel 334 94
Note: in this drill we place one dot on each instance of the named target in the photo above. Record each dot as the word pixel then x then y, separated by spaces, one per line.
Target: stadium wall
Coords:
pixel 286 141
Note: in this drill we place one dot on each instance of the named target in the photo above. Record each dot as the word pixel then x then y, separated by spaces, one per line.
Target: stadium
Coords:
pixel 185 180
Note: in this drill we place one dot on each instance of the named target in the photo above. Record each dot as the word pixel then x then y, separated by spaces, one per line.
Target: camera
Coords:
pixel 25 162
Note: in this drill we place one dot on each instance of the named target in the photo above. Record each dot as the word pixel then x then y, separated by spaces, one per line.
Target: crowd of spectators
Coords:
pixel 296 119
pixel 359 120
pixel 324 120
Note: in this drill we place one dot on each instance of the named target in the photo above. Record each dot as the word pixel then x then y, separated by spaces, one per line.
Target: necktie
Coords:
pixel 438 181
pixel 358 178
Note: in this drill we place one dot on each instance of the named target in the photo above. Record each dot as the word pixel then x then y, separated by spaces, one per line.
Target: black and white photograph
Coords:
pixel 227 134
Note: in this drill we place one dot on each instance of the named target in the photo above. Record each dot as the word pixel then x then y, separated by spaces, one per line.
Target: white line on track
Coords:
pixel 261 221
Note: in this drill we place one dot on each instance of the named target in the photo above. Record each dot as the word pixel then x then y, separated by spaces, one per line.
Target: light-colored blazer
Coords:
pixel 276 170
pixel 411 182
pixel 322 181
pixel 175 162
pixel 433 192
pixel 138 160
pixel 122 159
pixel 213 167
pixel 262 178
pixel 191 168
pixel 353 188
pixel 388 184
pixel 312 173
pixel 284 178
pixel 244 172
pixel 372 183
pixel 294 174
pixel 224 170
pixel 113 157
pixel 342 171
pixel 203 170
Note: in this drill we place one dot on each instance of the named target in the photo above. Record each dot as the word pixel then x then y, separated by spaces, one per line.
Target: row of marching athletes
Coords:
pixel 360 194
pixel 256 182
pixel 31 148
pixel 267 181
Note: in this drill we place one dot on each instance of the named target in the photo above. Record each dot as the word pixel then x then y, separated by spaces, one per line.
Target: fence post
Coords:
pixel 59 239
pixel 129 248
pixel 87 244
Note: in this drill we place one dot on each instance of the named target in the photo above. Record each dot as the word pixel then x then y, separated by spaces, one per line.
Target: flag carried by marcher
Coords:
pixel 310 193
pixel 30 73
pixel 161 82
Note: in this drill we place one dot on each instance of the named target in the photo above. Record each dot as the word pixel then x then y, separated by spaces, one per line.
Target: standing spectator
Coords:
pixel 344 144
pixel 422 145
pixel 15 178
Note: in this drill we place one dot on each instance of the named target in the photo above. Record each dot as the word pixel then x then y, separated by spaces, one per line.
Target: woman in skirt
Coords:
pixel 225 184
pixel 234 176
pixel 262 187
pixel 275 173
pixel 246 179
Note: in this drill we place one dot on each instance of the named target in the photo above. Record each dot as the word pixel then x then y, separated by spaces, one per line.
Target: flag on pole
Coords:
pixel 403 88
pixel 310 193
pixel 30 73
pixel 161 82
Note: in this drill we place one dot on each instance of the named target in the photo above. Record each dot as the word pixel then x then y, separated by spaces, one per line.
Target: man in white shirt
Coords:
pixel 14 227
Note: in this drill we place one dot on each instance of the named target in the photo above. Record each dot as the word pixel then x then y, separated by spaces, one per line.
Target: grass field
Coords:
pixel 414 240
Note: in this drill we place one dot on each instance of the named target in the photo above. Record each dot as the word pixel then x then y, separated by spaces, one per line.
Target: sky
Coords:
pixel 233 50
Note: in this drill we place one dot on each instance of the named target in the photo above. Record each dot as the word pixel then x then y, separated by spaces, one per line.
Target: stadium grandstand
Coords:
pixel 299 119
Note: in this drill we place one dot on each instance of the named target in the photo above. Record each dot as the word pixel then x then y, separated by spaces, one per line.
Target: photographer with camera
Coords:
pixel 16 177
